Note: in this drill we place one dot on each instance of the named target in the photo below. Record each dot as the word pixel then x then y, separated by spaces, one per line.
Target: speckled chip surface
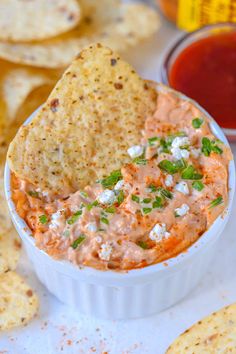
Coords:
pixel 18 302
pixel 93 115
pixel 214 334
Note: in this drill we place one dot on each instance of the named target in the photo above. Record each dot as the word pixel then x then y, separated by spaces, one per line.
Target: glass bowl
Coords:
pixel 185 41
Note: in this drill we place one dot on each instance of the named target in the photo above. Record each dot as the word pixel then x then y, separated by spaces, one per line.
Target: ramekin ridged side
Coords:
pixel 138 292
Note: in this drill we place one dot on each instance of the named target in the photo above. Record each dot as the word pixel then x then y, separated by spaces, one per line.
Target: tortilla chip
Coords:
pixel 214 334
pixel 36 19
pixel 18 302
pixel 93 115
pixel 5 220
pixel 10 247
pixel 17 85
pixel 116 25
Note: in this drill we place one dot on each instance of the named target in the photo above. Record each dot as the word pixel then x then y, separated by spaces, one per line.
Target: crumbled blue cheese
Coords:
pixel 135 151
pixel 158 232
pixel 195 152
pixel 169 181
pixel 91 227
pixel 182 187
pixel 181 211
pixel 106 197
pixel 56 219
pixel 105 251
pixel 177 147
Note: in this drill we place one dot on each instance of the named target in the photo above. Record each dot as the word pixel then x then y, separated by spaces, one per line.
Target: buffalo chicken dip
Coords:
pixel 153 208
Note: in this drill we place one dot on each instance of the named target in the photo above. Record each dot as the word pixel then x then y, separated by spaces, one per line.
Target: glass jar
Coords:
pixel 190 15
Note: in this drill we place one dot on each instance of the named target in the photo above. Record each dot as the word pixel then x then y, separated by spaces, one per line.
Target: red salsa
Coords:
pixel 206 72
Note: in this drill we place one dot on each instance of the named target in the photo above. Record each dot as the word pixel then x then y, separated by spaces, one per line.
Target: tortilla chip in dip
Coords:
pixel 106 21
pixel 94 114
pixel 214 334
pixel 18 302
pixel 36 19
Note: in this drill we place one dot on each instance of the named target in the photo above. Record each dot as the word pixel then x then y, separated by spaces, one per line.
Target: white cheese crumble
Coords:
pixel 105 252
pixel 122 185
pixel 179 153
pixel 195 152
pixel 56 219
pixel 106 197
pixel 98 239
pixel 182 210
pixel 176 145
pixel 158 232
pixel 119 185
pixel 169 181
pixel 91 227
pixel 180 141
pixel 135 151
pixel 182 187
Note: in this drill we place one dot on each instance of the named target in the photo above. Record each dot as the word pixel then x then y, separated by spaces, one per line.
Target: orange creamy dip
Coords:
pixel 154 208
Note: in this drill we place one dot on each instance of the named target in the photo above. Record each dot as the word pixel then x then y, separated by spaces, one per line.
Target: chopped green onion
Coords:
pixel 91 205
pixel 78 241
pixel 206 146
pixel 112 179
pixel 198 185
pixel 216 202
pixel 146 210
pixel 152 188
pixel 135 198
pixel 165 193
pixel 120 197
pixel 210 146
pixel 168 166
pixel 165 146
pixel 33 194
pixel 140 160
pixel 216 149
pixel 180 164
pixel 191 173
pixel 172 167
pixel 74 217
pixel 143 245
pixel 110 210
pixel 146 200
pixel 84 194
pixel 152 141
pixel 197 122
pixel 166 143
pixel 104 220
pixel 43 219
pixel 158 203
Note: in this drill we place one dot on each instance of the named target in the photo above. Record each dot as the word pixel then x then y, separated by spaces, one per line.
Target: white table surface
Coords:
pixel 58 329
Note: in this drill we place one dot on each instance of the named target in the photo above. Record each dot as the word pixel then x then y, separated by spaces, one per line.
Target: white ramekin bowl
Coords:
pixel 136 293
